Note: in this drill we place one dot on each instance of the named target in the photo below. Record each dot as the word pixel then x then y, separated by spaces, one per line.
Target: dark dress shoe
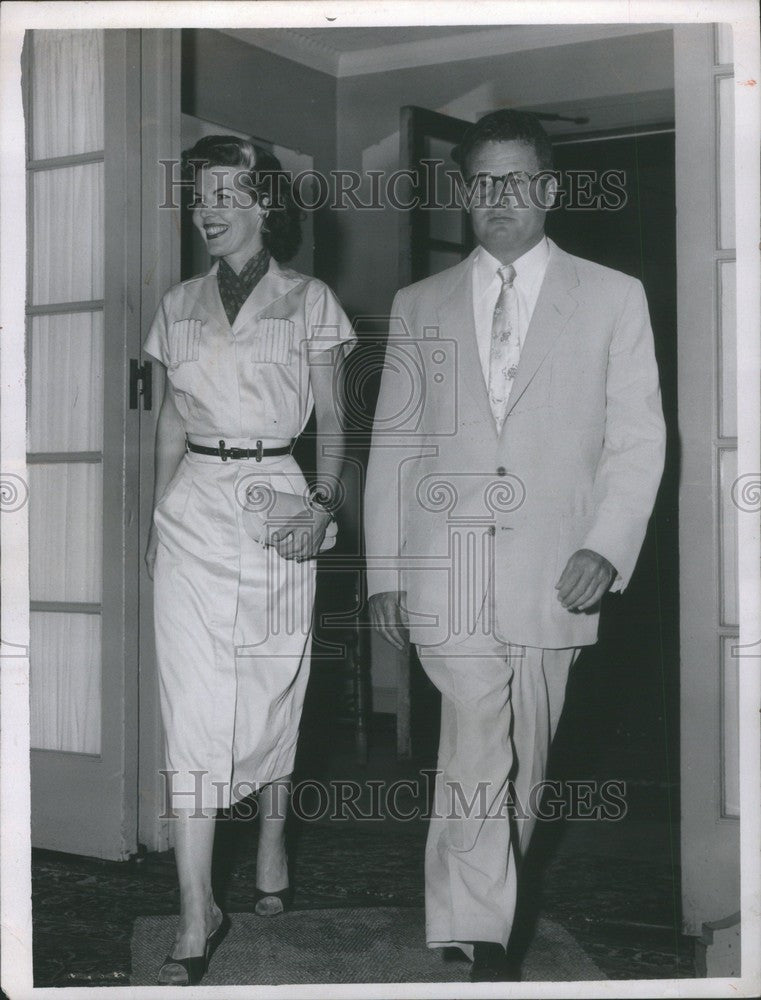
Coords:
pixel 491 964
pixel 190 971
pixel 271 904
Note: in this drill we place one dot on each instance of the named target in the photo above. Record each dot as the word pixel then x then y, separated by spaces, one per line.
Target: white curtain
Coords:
pixel 67 240
pixel 67 93
pixel 65 389
pixel 66 516
pixel 65 710
pixel 66 411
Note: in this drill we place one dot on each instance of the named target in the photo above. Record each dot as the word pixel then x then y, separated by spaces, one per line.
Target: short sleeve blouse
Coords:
pixel 249 380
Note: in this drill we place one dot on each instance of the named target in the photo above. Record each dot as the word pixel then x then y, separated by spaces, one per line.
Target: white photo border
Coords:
pixel 15 848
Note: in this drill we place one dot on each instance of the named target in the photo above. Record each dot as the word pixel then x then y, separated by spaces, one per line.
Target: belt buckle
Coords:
pixel 259 451
pixel 222 453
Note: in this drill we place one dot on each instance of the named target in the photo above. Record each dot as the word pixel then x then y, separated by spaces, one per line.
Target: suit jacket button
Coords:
pixel 501 471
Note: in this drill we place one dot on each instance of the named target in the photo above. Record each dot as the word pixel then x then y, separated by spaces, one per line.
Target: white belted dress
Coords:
pixel 232 618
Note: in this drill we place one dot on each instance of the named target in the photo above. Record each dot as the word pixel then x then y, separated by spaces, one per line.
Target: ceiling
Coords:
pixel 355 51
pixel 341 40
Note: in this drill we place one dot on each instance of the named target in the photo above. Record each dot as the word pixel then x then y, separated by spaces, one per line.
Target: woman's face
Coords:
pixel 227 215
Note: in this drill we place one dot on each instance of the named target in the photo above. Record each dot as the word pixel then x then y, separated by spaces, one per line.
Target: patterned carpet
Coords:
pixel 611 886
pixel 383 945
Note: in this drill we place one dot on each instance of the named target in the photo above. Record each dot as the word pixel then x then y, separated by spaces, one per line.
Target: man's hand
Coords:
pixel 389 616
pixel 586 577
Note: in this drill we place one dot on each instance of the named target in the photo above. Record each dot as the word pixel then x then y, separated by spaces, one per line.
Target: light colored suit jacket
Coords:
pixel 455 512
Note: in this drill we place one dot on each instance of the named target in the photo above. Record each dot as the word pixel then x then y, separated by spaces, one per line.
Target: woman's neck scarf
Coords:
pixel 234 288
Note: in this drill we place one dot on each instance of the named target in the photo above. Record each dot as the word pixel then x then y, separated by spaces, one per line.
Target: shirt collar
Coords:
pixel 529 267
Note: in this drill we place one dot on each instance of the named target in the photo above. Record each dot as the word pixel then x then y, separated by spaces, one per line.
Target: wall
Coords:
pixel 617 81
pixel 269 97
pixel 353 122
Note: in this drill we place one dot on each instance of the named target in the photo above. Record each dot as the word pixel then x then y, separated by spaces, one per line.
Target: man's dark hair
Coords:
pixel 505 125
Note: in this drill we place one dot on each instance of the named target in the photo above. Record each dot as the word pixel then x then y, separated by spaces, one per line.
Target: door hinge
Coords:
pixel 142 376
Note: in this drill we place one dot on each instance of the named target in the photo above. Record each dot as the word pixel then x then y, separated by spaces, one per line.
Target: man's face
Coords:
pixel 509 226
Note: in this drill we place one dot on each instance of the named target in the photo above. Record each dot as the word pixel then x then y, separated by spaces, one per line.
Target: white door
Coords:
pixel 87 136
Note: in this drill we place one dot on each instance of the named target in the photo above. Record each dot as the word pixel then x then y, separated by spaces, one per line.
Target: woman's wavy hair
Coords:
pixel 281 233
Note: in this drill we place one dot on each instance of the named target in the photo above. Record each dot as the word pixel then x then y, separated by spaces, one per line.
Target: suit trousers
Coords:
pixel 500 707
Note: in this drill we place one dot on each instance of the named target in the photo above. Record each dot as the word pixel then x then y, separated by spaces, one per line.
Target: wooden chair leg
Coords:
pixel 359 676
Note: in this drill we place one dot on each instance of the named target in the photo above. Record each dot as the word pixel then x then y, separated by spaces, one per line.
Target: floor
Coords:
pixel 614 885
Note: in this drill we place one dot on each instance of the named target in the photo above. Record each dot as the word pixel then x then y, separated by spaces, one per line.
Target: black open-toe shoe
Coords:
pixel 272 904
pixel 196 965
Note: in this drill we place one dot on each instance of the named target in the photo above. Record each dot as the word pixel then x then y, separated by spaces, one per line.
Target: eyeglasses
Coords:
pixel 503 188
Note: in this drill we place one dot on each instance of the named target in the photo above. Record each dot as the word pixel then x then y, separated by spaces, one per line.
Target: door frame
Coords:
pixel 417 124
pixel 710 848
pixel 159 270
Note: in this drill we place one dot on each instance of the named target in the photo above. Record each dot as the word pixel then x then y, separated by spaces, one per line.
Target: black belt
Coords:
pixel 224 453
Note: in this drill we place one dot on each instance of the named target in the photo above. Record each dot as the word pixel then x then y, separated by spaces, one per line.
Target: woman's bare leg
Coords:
pixel 199 914
pixel 271 858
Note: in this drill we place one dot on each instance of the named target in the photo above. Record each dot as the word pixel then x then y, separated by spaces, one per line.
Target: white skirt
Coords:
pixel 233 623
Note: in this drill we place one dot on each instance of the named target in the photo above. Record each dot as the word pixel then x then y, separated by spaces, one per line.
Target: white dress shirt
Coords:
pixel 529 275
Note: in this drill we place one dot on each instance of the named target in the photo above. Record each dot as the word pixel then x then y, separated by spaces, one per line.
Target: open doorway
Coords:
pixel 621 719
pixel 622 709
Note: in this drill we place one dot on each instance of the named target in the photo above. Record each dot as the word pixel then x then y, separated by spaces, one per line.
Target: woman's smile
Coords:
pixel 229 223
pixel 214 229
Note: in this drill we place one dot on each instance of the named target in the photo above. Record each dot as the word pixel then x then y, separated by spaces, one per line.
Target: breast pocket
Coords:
pixel 273 341
pixel 184 341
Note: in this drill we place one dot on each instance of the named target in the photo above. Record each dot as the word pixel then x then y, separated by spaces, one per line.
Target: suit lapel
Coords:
pixel 457 323
pixel 554 308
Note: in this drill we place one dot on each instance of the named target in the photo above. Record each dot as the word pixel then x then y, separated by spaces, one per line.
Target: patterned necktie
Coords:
pixel 505 350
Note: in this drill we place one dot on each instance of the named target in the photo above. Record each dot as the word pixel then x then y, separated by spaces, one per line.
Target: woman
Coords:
pixel 249 349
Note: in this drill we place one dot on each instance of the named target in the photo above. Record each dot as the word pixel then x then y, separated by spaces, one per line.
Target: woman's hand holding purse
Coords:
pixel 304 535
pixel 296 527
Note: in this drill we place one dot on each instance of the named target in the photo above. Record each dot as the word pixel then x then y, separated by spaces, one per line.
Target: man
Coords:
pixel 521 498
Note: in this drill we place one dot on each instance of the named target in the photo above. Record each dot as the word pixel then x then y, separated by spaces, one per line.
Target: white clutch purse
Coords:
pixel 266 509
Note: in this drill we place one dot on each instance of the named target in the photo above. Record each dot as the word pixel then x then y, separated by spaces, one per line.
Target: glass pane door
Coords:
pixel 65 409
pixel 82 103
